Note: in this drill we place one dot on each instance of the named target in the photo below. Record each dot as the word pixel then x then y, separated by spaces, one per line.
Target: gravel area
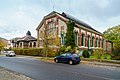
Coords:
pixel 10 75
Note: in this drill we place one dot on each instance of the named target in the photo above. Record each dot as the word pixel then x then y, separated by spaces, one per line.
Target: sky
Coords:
pixel 19 16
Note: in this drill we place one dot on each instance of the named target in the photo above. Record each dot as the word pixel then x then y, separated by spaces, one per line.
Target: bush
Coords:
pixel 98 53
pixel 68 49
pixel 51 52
pixel 60 50
pixel 116 55
pixel 29 52
pixel 91 51
pixel 86 54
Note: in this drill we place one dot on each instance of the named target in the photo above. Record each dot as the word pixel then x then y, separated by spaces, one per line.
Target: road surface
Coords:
pixel 39 70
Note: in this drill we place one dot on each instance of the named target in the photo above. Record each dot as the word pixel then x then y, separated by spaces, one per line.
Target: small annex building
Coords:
pixel 27 41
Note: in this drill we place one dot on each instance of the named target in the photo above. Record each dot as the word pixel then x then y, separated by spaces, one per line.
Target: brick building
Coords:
pixel 86 36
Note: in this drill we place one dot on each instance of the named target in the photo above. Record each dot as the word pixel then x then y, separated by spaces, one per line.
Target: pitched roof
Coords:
pixel 28 37
pixel 53 12
pixel 15 39
pixel 78 21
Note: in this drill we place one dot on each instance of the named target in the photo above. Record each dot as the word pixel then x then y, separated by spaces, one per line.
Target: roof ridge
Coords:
pixel 52 13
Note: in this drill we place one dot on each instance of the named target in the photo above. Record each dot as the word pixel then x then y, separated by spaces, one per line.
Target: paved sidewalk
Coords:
pixel 10 75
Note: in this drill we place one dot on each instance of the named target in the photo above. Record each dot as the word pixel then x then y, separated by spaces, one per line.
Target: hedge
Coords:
pixel 35 52
pixel 29 52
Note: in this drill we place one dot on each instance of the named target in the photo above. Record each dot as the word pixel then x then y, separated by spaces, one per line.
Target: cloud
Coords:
pixel 18 16
pixel 20 20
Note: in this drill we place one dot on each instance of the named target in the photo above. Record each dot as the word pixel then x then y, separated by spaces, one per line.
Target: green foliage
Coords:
pixel 29 52
pixel 57 41
pixel 68 49
pixel 105 55
pixel 61 50
pixel 70 35
pixel 98 53
pixel 91 51
pixel 50 52
pixel 113 34
pixel 86 54
pixel 1 45
pixel 116 55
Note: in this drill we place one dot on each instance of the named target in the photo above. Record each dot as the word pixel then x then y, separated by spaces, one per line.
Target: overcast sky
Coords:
pixel 19 16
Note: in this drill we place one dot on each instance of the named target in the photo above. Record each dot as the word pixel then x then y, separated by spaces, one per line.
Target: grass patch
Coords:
pixel 48 58
pixel 107 57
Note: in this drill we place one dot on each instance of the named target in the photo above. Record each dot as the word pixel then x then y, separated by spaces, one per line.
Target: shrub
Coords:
pixel 60 50
pixel 51 52
pixel 115 55
pixel 29 52
pixel 91 51
pixel 86 54
pixel 68 49
pixel 98 53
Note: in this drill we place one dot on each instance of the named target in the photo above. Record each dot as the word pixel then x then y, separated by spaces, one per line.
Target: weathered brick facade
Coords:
pixel 87 37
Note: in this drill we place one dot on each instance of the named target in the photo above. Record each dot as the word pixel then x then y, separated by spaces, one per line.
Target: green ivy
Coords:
pixel 70 35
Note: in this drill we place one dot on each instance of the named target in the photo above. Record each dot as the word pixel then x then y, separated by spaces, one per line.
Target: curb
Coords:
pixel 100 64
pixel 90 63
pixel 16 73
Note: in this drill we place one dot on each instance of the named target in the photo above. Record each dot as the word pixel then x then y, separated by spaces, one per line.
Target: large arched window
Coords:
pixel 92 41
pixel 76 38
pixel 88 41
pixel 34 44
pixel 30 44
pixel 20 45
pixel 100 43
pixel 96 42
pixel 82 40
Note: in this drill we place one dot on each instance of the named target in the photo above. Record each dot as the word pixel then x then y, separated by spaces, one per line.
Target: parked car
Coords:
pixel 10 53
pixel 67 58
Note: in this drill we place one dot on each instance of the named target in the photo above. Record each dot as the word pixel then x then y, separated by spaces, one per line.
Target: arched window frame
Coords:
pixel 97 42
pixel 30 44
pixel 34 44
pixel 93 39
pixel 88 41
pixel 100 43
pixel 76 38
pixel 20 44
pixel 83 40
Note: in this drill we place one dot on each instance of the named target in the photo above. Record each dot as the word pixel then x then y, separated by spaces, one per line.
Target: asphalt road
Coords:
pixel 39 70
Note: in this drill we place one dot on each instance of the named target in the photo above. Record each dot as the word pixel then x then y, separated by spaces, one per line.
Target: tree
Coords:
pixel 70 38
pixel 44 36
pixel 57 41
pixel 49 38
pixel 1 45
pixel 113 35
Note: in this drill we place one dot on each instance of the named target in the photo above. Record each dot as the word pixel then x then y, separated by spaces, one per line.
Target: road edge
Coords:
pixel 16 73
